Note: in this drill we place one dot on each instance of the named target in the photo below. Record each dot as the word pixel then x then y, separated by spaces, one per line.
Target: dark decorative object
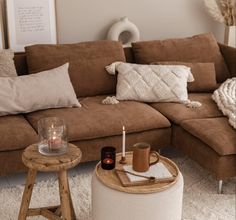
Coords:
pixel 108 158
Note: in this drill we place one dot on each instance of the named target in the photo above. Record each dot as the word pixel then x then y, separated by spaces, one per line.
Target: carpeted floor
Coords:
pixel 201 201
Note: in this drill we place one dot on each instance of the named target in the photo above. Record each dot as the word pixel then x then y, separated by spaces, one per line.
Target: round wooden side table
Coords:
pixel 38 162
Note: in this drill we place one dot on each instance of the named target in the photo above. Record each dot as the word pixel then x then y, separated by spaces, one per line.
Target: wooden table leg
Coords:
pixel 73 216
pixel 64 195
pixel 27 194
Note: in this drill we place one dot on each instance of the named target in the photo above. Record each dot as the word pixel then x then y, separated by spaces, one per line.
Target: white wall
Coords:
pixel 84 20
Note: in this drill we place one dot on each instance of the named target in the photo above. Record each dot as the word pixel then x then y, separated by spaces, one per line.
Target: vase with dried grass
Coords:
pixel 224 11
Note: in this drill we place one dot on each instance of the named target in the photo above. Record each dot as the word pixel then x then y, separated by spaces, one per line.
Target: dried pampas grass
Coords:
pixel 223 11
pixel 214 10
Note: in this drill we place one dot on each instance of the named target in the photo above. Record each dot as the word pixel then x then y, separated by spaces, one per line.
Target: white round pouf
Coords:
pixel 111 204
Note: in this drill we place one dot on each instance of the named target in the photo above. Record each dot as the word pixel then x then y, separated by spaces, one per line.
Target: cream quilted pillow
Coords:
pixel 152 83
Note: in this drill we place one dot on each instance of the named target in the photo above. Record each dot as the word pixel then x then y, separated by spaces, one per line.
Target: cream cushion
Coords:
pixel 47 89
pixel 7 66
pixel 225 98
pixel 151 83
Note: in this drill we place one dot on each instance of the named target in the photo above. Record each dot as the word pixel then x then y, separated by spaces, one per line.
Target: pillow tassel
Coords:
pixel 112 68
pixel 192 104
pixel 110 100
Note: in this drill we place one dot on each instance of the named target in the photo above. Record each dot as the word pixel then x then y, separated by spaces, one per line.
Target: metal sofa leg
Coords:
pixel 220 183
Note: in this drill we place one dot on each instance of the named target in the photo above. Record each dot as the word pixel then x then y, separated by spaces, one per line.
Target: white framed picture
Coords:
pixel 30 22
pixel 2 37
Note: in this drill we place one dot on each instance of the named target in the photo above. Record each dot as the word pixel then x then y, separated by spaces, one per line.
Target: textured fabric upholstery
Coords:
pixel 21 63
pixel 95 120
pixel 200 48
pixel 129 55
pixel 204 76
pixel 229 54
pixel 87 61
pixel 15 133
pixel 11 162
pixel 157 138
pixel 215 132
pixel 176 112
pixel 222 167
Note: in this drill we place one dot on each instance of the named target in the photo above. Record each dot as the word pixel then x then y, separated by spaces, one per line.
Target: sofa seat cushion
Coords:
pixel 215 132
pixel 176 112
pixel 16 133
pixel 95 120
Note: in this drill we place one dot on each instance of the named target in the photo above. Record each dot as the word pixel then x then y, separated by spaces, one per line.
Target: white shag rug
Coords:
pixel 201 201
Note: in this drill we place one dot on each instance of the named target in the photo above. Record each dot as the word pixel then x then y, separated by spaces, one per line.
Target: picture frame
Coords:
pixel 2 36
pixel 30 22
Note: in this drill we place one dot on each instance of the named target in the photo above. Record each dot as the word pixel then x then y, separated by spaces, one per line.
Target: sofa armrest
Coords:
pixel 229 54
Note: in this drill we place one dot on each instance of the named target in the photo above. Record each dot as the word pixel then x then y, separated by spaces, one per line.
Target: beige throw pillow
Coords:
pixel 7 66
pixel 151 83
pixel 44 90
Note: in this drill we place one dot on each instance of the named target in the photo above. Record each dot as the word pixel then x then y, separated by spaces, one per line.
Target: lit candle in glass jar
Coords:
pixel 54 142
pixel 52 136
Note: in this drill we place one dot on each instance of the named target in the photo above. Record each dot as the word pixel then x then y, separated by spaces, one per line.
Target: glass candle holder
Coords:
pixel 52 136
pixel 108 158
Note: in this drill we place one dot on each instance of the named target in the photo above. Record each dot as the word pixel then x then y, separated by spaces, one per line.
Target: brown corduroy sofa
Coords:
pixel 203 134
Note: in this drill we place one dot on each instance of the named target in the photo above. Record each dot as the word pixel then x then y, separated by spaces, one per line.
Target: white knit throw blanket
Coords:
pixel 225 97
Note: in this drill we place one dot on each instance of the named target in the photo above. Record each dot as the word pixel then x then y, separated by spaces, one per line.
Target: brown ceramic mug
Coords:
pixel 141 157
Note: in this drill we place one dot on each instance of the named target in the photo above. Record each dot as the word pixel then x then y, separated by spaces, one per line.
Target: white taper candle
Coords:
pixel 123 142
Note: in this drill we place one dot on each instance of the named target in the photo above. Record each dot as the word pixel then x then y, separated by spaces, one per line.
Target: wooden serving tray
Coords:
pixel 121 181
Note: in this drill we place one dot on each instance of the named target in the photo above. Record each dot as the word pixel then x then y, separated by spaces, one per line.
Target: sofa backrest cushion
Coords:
pixel 129 55
pixel 200 48
pixel 21 63
pixel 87 64
pixel 204 75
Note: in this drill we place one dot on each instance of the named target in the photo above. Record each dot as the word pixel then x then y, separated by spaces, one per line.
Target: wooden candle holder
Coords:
pixel 123 160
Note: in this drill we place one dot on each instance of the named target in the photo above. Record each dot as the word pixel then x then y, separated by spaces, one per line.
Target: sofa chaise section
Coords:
pixel 211 142
pixel 219 136
pixel 204 134
pixel 177 112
